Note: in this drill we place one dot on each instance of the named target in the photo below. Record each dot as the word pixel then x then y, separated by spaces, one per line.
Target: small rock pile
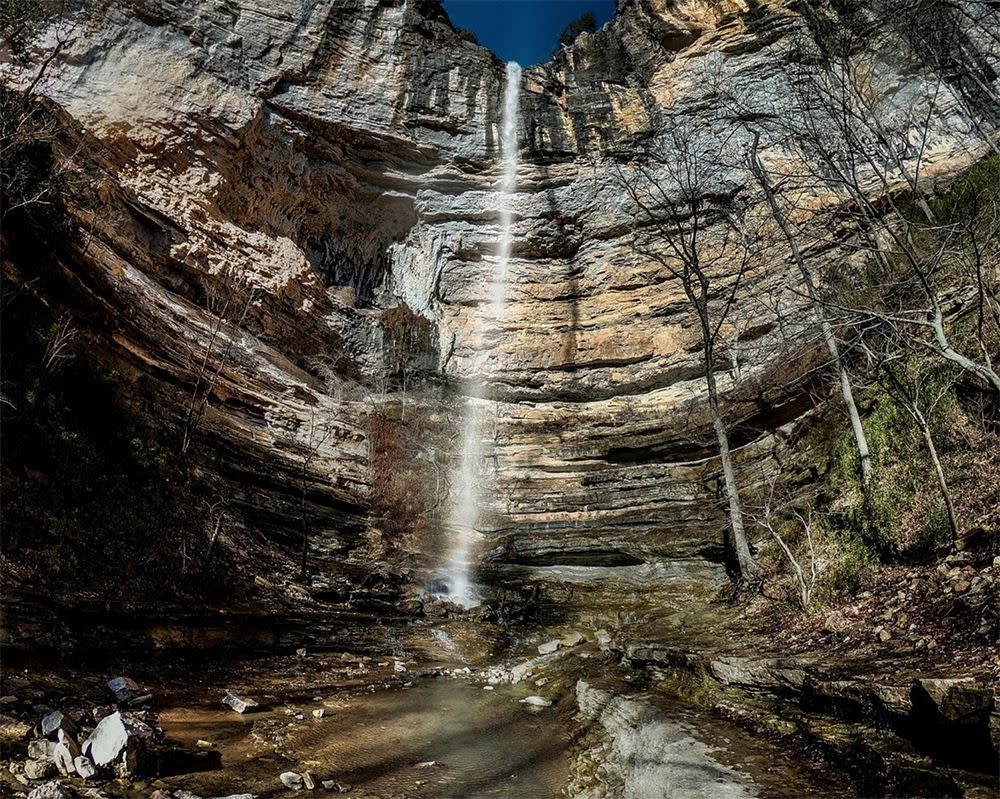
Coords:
pixel 84 743
pixel 297 780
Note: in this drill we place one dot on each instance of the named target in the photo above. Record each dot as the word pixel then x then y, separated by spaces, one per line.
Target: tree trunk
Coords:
pixel 860 439
pixel 303 565
pixel 947 351
pixel 939 471
pixel 211 545
pixel 829 338
pixel 746 565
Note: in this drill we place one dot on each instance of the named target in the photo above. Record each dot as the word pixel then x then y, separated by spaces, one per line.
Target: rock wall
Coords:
pixel 308 164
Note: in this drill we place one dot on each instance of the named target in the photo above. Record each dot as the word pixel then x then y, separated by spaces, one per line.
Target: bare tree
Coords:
pixel 918 390
pixel 857 140
pixel 923 276
pixel 809 283
pixel 689 219
pixel 32 177
pixel 216 518
pixel 960 41
pixel 974 231
pixel 919 292
pixel 771 517
pixel 316 438
pixel 59 343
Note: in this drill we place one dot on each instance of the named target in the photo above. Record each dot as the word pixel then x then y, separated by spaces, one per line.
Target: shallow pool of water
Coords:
pixel 441 738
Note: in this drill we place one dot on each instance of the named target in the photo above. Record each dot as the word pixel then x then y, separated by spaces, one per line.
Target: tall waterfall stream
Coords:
pixel 472 475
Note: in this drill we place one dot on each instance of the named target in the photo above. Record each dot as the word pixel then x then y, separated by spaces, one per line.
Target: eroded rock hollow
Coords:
pixel 281 237
pixel 338 160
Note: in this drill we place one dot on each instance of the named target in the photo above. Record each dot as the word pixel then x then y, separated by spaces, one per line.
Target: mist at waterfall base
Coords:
pixel 472 475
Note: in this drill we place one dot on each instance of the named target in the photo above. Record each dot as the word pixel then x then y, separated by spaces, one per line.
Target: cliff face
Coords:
pixel 294 168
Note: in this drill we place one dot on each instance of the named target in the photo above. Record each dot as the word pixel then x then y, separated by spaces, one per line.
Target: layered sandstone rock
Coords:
pixel 312 163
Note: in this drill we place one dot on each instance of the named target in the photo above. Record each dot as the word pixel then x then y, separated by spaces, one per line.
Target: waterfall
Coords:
pixel 508 151
pixel 473 470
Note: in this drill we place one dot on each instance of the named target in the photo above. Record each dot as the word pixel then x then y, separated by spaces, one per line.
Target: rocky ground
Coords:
pixel 597 690
pixel 351 724
pixel 934 617
pixel 120 734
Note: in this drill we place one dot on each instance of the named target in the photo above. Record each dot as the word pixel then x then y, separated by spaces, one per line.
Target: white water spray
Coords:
pixel 468 499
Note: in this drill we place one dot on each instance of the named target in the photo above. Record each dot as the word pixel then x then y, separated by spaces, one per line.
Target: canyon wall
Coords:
pixel 295 168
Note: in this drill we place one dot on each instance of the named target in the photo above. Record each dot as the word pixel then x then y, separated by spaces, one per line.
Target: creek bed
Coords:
pixel 439 738
pixel 392 731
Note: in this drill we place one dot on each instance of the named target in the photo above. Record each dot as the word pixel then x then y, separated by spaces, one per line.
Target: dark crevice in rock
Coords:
pixel 570 557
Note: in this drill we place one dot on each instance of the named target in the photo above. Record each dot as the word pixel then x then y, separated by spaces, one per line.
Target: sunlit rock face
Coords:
pixel 336 157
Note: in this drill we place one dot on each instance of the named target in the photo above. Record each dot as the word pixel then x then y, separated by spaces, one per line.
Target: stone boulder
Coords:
pixel 54 722
pixel 241 704
pixel 568 641
pixel 124 689
pixel 959 700
pixel 50 790
pixel 65 753
pixel 63 758
pixel 291 779
pixel 12 730
pixel 38 769
pixel 84 768
pixel 121 740
pixel 761 673
pixel 41 749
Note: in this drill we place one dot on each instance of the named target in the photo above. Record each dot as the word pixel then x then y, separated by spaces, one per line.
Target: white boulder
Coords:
pixel 84 768
pixel 117 737
pixel 241 704
pixel 291 779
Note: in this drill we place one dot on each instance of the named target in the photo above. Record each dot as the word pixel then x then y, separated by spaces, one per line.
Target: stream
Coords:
pixel 438 738
pixel 432 729
pixel 436 708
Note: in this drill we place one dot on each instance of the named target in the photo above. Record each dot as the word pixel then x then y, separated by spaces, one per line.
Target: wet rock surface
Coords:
pixel 646 754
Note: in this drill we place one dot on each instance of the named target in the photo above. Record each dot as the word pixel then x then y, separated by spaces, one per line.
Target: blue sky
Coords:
pixel 525 31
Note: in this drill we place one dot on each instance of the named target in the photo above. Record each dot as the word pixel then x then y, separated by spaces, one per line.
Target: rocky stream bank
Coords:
pixel 582 697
